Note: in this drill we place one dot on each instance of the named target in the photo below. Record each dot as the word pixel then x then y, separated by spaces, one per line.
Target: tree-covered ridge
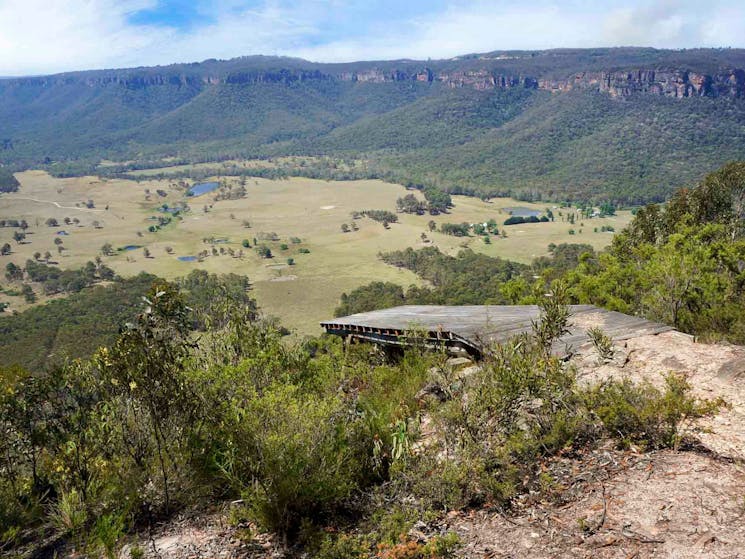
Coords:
pixel 467 127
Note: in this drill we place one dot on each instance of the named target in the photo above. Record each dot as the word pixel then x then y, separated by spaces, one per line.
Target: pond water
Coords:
pixel 187 258
pixel 519 211
pixel 202 188
pixel 131 247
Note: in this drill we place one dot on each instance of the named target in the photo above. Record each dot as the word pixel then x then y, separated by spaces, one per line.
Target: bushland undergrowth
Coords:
pixel 309 436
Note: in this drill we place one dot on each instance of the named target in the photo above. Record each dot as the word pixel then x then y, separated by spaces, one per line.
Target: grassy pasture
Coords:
pixel 313 210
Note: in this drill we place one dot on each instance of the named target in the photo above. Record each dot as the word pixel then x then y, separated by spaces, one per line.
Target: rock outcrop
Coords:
pixel 666 82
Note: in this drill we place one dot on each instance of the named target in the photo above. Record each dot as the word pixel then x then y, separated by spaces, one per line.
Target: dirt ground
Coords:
pixel 662 504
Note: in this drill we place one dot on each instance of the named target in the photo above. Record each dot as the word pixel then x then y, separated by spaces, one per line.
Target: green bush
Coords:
pixel 641 414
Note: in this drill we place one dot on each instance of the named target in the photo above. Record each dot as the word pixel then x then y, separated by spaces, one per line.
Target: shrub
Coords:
pixel 641 414
pixel 106 533
pixel 68 514
pixel 294 462
pixel 521 405
pixel 602 342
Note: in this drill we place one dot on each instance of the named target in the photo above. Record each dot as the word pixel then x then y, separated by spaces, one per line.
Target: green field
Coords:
pixel 312 210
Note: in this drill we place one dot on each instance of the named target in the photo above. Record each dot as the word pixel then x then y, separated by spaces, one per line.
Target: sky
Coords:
pixel 49 36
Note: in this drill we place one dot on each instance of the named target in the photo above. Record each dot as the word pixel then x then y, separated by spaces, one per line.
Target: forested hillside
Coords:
pixel 623 124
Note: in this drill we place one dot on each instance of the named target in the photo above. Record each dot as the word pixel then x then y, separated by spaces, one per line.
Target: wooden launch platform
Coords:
pixel 474 328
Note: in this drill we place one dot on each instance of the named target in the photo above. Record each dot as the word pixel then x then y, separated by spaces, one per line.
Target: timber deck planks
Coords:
pixel 474 328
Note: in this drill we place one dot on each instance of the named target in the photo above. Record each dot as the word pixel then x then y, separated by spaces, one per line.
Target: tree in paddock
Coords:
pixel 344 228
pixel 13 272
pixel 107 249
pixel 146 252
pixel 37 256
pixel 67 221
pixel 432 225
pixel 23 225
pixel 89 204
pixel 169 250
pixel 5 249
pixel 76 221
pixel 57 241
pixel 96 224
pixel 60 249
pixel 355 227
pixel 290 261
pixel 28 293
pixel 47 256
pixel 18 237
pixel 51 222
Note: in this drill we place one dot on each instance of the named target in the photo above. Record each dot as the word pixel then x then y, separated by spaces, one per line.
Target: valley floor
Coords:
pixel 312 211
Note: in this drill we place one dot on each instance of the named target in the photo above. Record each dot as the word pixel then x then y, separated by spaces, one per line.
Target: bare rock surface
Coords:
pixel 712 370
pixel 663 504
pixel 203 534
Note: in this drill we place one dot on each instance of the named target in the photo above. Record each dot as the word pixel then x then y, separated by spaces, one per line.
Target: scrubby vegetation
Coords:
pixel 679 264
pixel 308 436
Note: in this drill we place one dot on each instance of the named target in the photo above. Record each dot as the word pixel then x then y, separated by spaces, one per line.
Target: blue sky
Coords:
pixel 82 34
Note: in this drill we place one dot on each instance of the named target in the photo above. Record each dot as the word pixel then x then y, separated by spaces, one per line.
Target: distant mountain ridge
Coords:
pixel 672 76
pixel 647 120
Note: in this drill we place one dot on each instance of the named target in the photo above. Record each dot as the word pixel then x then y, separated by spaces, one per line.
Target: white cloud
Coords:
pixel 42 36
pixel 47 35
